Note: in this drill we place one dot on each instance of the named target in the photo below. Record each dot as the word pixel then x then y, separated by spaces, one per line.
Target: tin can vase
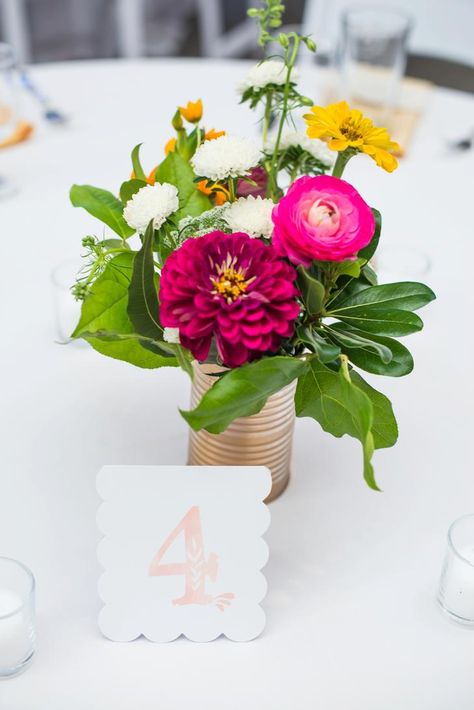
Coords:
pixel 263 439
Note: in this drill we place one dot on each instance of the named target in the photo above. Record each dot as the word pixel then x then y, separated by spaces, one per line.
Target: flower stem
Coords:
pixel 232 191
pixel 267 117
pixel 290 59
pixel 341 162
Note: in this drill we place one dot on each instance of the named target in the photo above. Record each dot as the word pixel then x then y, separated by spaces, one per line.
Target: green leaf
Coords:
pixel 384 426
pixel 104 322
pixel 129 188
pixel 339 406
pixel 324 349
pixel 368 251
pixel 102 205
pixel 366 350
pixel 175 170
pixel 405 296
pixel 382 322
pixel 242 392
pixel 312 291
pixel 137 166
pixel 143 308
pixel 350 268
pixel 356 339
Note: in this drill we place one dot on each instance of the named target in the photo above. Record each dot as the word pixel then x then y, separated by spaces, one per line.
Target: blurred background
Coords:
pixel 440 48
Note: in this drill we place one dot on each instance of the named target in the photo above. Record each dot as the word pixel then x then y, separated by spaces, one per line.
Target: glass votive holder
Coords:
pixel 67 309
pixel 17 617
pixel 456 588
pixel 372 57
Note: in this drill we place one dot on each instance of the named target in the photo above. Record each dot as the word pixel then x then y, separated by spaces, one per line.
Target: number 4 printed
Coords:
pixel 195 568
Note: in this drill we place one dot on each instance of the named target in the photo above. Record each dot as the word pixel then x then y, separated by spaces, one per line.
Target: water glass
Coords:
pixel 373 57
pixel 456 589
pixel 17 617
pixel 8 104
pixel 66 309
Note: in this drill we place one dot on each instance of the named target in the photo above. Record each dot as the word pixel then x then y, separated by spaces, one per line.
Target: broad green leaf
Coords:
pixel 339 406
pixel 242 392
pixel 177 171
pixel 365 354
pixel 312 291
pixel 324 349
pixel 368 251
pixel 130 188
pixel 351 268
pixel 369 275
pixel 143 308
pixel 104 322
pixel 384 426
pixel 405 296
pixel 137 166
pixel 102 205
pixel 382 322
pixel 352 339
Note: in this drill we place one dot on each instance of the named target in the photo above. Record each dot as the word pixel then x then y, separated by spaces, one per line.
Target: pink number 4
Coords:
pixel 195 568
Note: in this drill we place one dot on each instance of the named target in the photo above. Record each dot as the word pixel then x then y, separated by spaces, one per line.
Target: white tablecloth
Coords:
pixel 352 618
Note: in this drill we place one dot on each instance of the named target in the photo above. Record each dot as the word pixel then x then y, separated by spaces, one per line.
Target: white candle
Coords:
pixel 16 631
pixel 458 584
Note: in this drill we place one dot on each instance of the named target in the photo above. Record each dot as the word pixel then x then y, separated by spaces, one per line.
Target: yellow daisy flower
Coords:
pixel 343 127
pixel 192 112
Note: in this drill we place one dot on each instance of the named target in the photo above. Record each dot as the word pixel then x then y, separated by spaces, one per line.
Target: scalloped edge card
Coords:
pixel 182 551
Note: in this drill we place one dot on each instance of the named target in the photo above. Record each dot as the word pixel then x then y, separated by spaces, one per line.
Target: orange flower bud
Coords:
pixel 170 146
pixel 210 135
pixel 192 112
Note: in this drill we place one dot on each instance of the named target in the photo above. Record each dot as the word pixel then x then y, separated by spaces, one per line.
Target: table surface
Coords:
pixel 352 622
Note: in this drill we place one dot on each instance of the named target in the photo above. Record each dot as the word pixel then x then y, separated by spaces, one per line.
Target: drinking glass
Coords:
pixel 373 57
pixel 17 617
pixel 456 589
pixel 66 309
pixel 8 105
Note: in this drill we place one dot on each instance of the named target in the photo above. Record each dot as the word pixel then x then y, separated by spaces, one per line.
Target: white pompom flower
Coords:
pixel 252 215
pixel 225 157
pixel 171 335
pixel 156 202
pixel 315 147
pixel 271 71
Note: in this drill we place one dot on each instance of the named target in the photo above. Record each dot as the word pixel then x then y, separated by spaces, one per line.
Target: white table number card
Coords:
pixel 182 551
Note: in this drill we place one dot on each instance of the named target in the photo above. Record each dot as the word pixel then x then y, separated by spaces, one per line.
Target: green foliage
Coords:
pixel 102 205
pixel 175 170
pixel 242 392
pixel 372 353
pixel 143 308
pixel 130 188
pixel 312 291
pixel 341 406
pixel 137 166
pixel 104 321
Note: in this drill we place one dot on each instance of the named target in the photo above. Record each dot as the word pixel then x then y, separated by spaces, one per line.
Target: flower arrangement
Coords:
pixel 256 259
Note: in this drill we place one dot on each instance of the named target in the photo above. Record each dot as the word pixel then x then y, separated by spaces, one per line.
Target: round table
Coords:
pixel 352 620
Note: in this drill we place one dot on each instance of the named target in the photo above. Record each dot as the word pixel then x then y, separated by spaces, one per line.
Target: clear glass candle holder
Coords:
pixel 456 589
pixel 67 309
pixel 17 617
pixel 372 57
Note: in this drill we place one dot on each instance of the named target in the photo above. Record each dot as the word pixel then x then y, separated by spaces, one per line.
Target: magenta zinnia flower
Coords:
pixel 230 287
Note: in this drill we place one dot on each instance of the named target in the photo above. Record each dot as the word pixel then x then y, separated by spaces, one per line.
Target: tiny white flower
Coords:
pixel 224 157
pixel 271 71
pixel 252 215
pixel 171 335
pixel 317 148
pixel 155 202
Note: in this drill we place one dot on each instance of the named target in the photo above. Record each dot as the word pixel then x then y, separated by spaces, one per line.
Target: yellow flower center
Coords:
pixel 229 281
pixel 350 129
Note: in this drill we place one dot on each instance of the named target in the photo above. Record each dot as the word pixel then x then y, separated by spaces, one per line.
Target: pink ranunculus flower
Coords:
pixel 233 288
pixel 322 218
